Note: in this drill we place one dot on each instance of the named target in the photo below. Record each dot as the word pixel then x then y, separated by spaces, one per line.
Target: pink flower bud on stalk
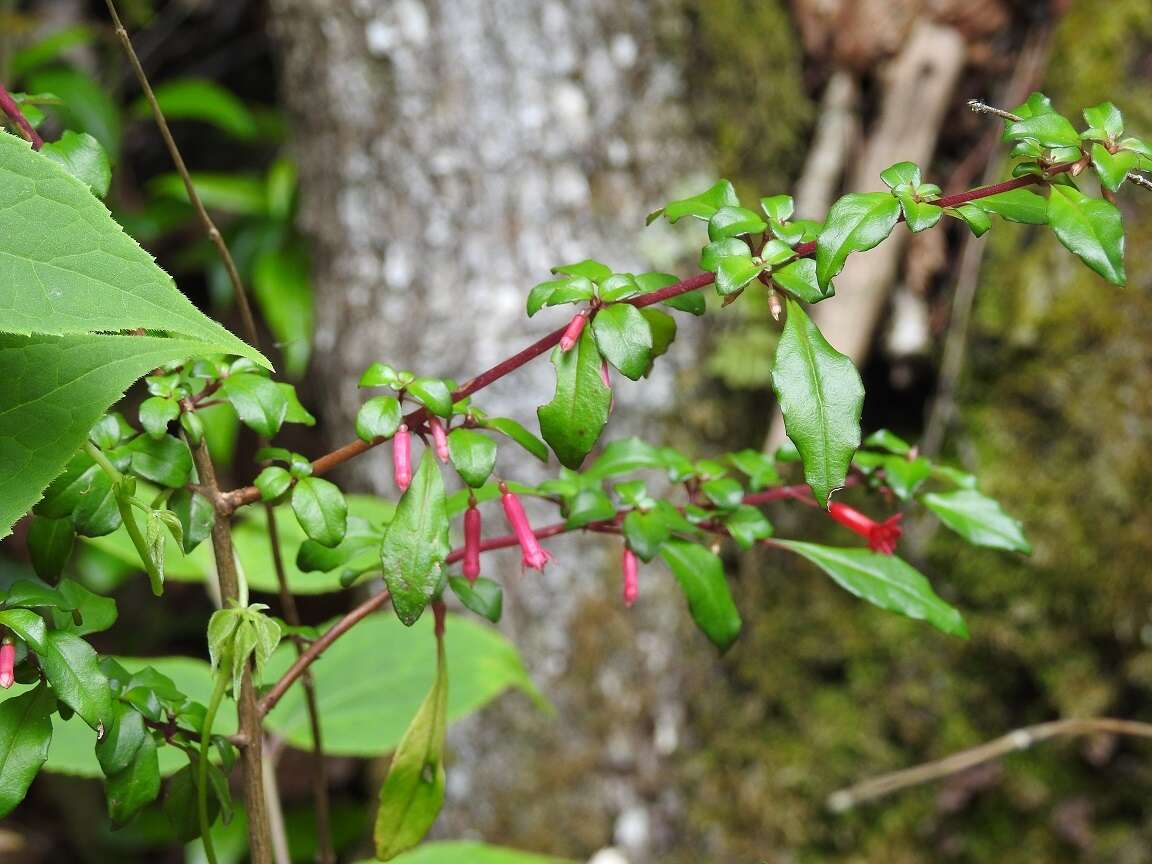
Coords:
pixel 7 663
pixel 471 564
pixel 532 555
pixel 402 457
pixel 439 438
pixel 572 332
pixel 630 567
pixel 881 536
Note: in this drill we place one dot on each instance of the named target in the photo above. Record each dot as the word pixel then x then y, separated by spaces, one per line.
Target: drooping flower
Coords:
pixel 7 663
pixel 471 565
pixel 881 536
pixel 402 457
pixel 630 567
pixel 573 330
pixel 532 555
pixel 439 438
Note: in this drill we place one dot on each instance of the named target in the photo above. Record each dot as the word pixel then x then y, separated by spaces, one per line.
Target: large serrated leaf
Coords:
pixel 821 397
pixel 66 267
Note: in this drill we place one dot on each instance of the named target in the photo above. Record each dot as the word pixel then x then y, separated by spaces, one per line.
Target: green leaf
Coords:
pixel 272 482
pixel 624 338
pixel 363 719
pixel 511 429
pixel 1017 205
pixel 1091 229
pixel 413 791
pixel 724 492
pixel 380 375
pixel 416 542
pixel 379 417
pixel 238 194
pixel 821 397
pixel 1048 130
pixel 166 460
pixel 732 221
pixel 84 104
pixel 72 668
pixel 320 509
pixel 856 223
pixel 433 394
pixel 108 282
pixel 883 439
pixel 572 421
pixel 81 155
pixel 96 613
pixel 901 174
pixel 919 215
pixel 473 455
pixel 618 286
pixel 702 206
pixel 122 737
pixel 25 735
pixel 1112 169
pixel 747 525
pixel 29 594
pixel 883 580
pixel 196 516
pixel 1106 117
pixel 484 597
pixel 701 577
pixel 734 273
pixel 799 280
pixel 50 545
pixel 974 216
pixel 715 252
pixel 589 505
pixel 361 542
pixel 760 467
pixel 978 519
pixel 646 533
pixel 259 403
pixel 779 208
pixel 588 269
pixel 156 413
pixel 625 455
pixel 135 787
pixel 52 389
pixel 203 100
pixel 663 327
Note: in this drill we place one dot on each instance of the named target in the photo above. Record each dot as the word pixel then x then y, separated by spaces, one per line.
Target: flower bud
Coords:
pixel 471 565
pixel 630 569
pixel 402 457
pixel 439 438
pixel 532 555
pixel 572 332
pixel 7 663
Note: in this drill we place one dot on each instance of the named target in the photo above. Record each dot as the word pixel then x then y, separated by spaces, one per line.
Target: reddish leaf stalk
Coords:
pixel 12 110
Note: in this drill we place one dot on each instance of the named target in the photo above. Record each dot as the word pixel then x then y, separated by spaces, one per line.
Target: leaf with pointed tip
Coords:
pixel 416 542
pixel 624 338
pixel 856 223
pixel 25 734
pixel 883 580
pixel 1091 229
pixel 821 397
pixel 1017 205
pixel 571 423
pixel 978 519
pixel 701 577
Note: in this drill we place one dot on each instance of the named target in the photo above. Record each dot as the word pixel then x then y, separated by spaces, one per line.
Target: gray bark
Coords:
pixel 451 151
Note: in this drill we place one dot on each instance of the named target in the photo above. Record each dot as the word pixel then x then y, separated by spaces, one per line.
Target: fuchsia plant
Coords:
pixel 159 482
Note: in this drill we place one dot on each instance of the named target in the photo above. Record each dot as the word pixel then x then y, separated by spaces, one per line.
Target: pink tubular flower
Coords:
pixel 630 567
pixel 881 536
pixel 533 555
pixel 402 457
pixel 575 328
pixel 439 438
pixel 7 663
pixel 471 564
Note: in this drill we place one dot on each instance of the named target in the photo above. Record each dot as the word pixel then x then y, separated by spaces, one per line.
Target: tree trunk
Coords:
pixel 451 152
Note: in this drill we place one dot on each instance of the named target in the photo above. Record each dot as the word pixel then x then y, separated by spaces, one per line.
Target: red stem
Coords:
pixel 9 107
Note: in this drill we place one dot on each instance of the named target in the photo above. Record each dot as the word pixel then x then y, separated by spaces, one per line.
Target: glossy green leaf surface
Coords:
pixel 701 577
pixel 856 223
pixel 416 542
pixel 978 519
pixel 571 423
pixel 1090 228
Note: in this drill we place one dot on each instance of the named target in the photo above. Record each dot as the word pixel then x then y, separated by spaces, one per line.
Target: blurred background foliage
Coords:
pixel 1053 410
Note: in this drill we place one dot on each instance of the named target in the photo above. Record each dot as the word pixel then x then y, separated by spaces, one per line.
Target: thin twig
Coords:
pixel 12 110
pixel 193 197
pixel 1020 739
